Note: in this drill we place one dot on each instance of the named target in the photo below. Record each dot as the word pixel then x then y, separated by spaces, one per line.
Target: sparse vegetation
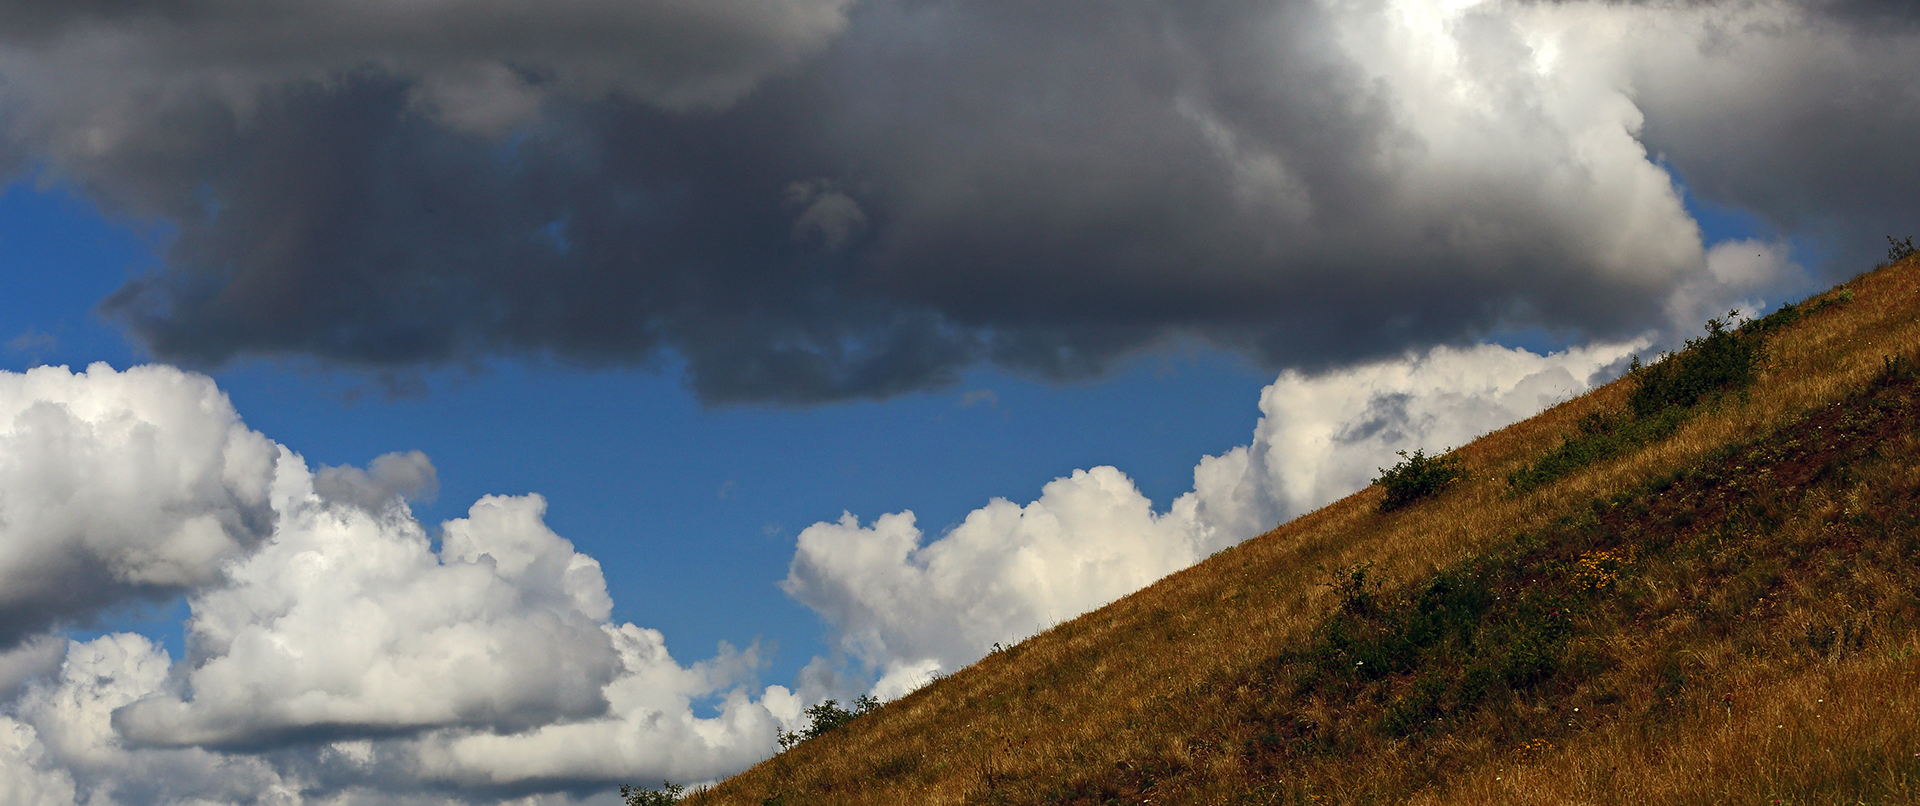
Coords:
pixel 1721 361
pixel 1727 613
pixel 668 794
pixel 1601 436
pixel 1665 394
pixel 1896 368
pixel 1898 250
pixel 1524 631
pixel 828 716
pixel 1417 476
pixel 1463 635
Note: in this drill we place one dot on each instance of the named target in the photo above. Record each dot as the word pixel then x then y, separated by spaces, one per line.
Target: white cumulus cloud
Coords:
pixel 117 485
pixel 908 607
pixel 26 778
pixel 1005 572
pixel 347 622
pixel 650 731
pixel 65 724
pixel 1323 436
pixel 336 652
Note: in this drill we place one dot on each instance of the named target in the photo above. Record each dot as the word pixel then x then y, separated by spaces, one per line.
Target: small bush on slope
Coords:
pixel 668 794
pixel 1417 476
pixel 1602 436
pixel 1723 360
pixel 828 716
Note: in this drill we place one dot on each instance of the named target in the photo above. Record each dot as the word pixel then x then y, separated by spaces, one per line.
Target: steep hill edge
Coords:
pixel 1731 609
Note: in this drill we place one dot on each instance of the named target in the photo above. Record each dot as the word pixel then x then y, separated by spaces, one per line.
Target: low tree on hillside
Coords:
pixel 827 716
pixel 1417 476
pixel 667 795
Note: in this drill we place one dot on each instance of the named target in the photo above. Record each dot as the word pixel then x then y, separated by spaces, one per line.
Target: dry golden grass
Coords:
pixel 1170 694
pixel 1841 733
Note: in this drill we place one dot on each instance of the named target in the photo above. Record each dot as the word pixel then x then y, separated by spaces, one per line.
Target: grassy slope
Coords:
pixel 1728 615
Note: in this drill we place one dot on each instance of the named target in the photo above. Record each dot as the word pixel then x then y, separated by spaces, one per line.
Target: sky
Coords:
pixel 487 401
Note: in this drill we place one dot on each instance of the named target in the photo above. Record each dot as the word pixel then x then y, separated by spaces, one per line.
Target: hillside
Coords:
pixel 1714 601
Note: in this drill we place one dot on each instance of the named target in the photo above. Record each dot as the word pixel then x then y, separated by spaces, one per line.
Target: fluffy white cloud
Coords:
pixel 26 777
pixel 347 622
pixel 59 743
pixel 335 653
pixel 650 731
pixel 908 608
pixel 65 730
pixel 492 657
pixel 1518 124
pixel 1323 436
pixel 115 485
pixel 1004 573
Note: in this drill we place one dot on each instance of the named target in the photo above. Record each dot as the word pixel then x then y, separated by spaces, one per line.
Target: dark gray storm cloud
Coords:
pixel 1813 134
pixel 808 200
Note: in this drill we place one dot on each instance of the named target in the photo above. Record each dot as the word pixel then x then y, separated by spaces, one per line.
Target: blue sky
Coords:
pixel 1093 295
pixel 692 509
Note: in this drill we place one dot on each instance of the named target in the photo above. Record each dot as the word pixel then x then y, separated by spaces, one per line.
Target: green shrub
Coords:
pixel 1722 360
pixel 1417 476
pixel 667 795
pixel 1665 394
pixel 1786 314
pixel 1790 313
pixel 827 716
pixel 1453 639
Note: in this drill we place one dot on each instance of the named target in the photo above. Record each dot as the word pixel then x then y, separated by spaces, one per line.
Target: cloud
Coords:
pixel 408 476
pixel 1741 274
pixel 345 655
pixel 809 200
pixel 32 659
pixel 60 739
pixel 825 213
pixel 1006 572
pixel 1791 111
pixel 649 733
pixel 973 397
pixel 32 341
pixel 65 736
pixel 1323 436
pixel 119 486
pixel 907 607
pixel 346 624
pixel 337 653
pixel 25 778
pixel 477 66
